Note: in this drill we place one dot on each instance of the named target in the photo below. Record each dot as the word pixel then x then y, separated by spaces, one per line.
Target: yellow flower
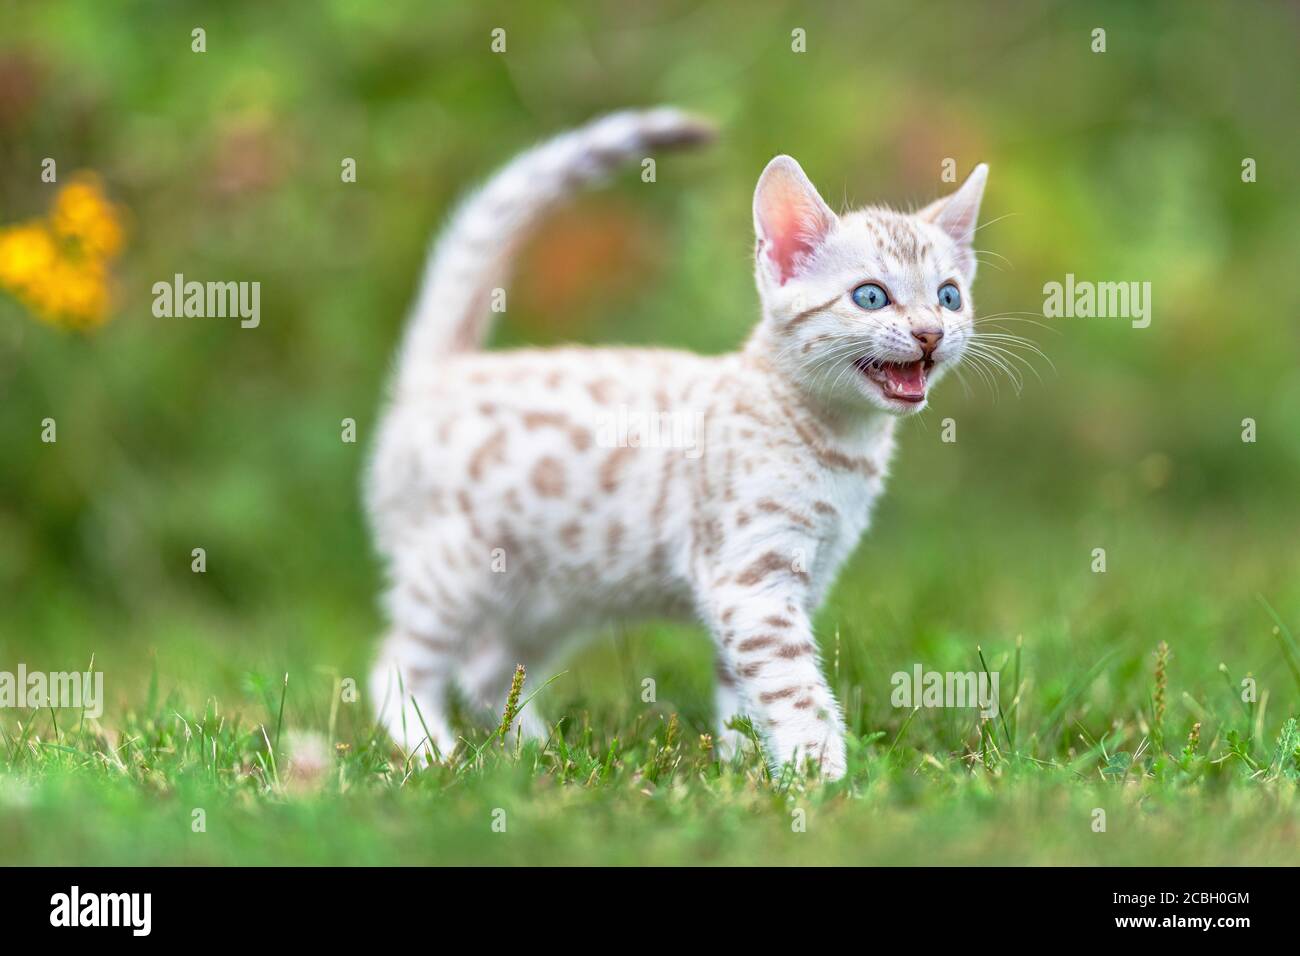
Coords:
pixel 78 291
pixel 27 252
pixel 58 267
pixel 82 212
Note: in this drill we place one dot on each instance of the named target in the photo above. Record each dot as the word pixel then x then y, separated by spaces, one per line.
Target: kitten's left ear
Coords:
pixel 957 215
pixel 790 218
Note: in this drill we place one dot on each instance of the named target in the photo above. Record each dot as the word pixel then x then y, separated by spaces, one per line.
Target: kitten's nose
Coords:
pixel 929 339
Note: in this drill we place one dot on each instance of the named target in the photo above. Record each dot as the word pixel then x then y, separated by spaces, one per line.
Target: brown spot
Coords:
pixel 813 342
pixel 609 470
pixel 756 643
pixel 580 437
pixel 725 677
pixel 791 651
pixel 761 568
pixel 487 408
pixel 807 314
pixel 603 391
pixel 420 595
pixel 774 695
pixel 774 507
pixel 803 703
pixel 742 519
pixel 712 535
pixel 826 455
pixel 665 482
pixel 775 621
pixel 751 670
pixel 492 451
pixel 571 535
pixel 728 614
pixel 824 508
pixel 548 477
pixel 441 645
pixel 536 420
pixel 749 411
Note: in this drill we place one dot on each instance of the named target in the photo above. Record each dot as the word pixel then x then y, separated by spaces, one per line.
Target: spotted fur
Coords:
pixel 509 519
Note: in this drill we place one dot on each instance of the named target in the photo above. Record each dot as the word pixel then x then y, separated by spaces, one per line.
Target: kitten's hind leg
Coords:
pixel 408 689
pixel 727 704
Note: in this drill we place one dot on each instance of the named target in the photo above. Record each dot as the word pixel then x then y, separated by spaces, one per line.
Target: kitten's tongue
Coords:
pixel 906 382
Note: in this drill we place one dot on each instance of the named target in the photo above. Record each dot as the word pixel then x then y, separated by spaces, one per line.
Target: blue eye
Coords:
pixel 949 297
pixel 870 297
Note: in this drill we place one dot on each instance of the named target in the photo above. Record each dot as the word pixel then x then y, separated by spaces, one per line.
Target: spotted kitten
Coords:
pixel 511 517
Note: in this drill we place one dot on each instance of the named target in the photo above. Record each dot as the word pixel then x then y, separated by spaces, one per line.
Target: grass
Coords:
pixel 1148 728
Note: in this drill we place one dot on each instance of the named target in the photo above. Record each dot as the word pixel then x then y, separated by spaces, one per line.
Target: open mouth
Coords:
pixel 901 381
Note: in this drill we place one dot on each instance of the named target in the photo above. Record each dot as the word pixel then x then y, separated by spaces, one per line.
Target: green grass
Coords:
pixel 624 782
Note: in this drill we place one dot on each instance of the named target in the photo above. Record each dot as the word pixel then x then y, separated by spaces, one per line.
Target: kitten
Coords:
pixel 511 513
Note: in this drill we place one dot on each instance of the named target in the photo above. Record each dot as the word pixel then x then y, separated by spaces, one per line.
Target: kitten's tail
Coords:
pixel 473 254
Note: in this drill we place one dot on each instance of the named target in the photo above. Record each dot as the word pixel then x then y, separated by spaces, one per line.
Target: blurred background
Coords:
pixel 174 434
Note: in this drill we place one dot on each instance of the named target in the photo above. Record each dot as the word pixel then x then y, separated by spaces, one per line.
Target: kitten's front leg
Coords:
pixel 765 637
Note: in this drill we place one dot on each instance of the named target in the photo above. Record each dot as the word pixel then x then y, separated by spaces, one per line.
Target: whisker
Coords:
pixel 990 252
pixel 1008 342
pixel 995 357
pixel 990 222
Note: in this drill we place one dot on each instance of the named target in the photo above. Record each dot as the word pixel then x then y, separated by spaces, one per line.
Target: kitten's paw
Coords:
pixel 831 761
pixel 826 756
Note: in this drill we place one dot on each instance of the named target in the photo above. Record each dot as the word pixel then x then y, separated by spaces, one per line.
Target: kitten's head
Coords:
pixel 870 307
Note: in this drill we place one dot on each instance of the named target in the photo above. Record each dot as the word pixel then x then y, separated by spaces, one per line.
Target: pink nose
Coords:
pixel 929 339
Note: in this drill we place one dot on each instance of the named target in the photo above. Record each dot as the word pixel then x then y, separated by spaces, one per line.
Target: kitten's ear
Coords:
pixel 790 218
pixel 958 213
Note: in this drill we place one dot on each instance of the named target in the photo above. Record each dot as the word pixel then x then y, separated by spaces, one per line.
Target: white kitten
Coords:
pixel 514 510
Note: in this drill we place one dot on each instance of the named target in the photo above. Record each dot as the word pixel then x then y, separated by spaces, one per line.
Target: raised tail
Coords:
pixel 473 254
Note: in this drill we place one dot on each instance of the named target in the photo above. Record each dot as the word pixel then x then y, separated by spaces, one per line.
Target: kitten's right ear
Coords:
pixel 957 214
pixel 790 218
